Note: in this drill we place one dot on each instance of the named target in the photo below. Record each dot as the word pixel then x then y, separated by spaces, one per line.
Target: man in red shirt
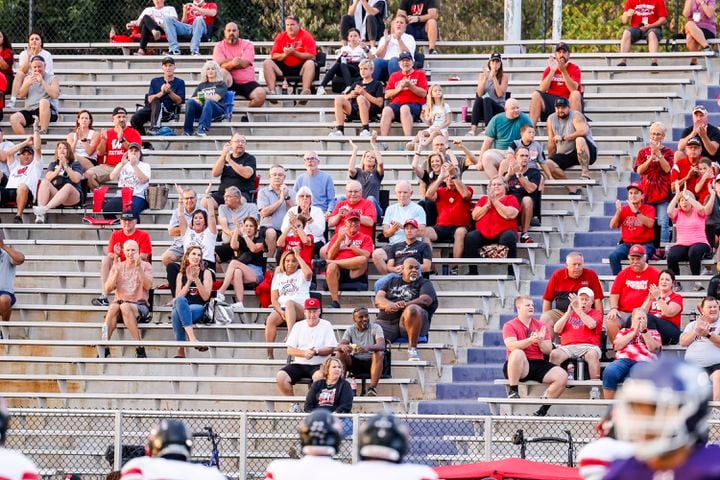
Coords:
pixel 636 221
pixel 566 281
pixel 355 203
pixel 527 341
pixel 629 290
pixel 561 78
pixel 406 90
pixel 197 18
pixel 113 144
pixel 128 231
pixel 347 257
pixel 646 18
pixel 686 169
pixel 452 198
pixel 580 328
pixel 236 56
pixel 293 54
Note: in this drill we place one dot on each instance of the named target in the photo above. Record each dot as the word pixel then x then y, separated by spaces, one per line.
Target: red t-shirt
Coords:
pixel 367 209
pixel 633 287
pixel 306 251
pixel 557 86
pixel 681 169
pixel 115 150
pixel 655 181
pixel 576 332
pixel 207 18
pixel 515 328
pixel 140 236
pixel 453 211
pixel 561 285
pixel 492 224
pixel 646 11
pixel 417 78
pixel 3 88
pixel 674 297
pixel 303 43
pixel 632 230
pixel 7 55
pixel 360 240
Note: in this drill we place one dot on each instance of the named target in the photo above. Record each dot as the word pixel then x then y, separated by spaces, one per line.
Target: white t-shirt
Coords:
pixel 354 55
pixel 4 168
pixel 438 114
pixel 393 49
pixel 304 337
pixel 291 287
pixel 147 468
pixel 80 146
pixel 44 54
pixel 206 240
pixel 128 178
pixel 159 15
pixel 403 471
pixel 26 174
pixel 702 351
pixel 316 227
pixel 16 466
pixel 307 468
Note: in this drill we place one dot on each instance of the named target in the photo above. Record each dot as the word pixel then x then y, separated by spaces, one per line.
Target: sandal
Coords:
pixel 201 348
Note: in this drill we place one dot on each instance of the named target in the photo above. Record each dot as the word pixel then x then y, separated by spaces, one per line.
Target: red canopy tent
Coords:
pixel 509 468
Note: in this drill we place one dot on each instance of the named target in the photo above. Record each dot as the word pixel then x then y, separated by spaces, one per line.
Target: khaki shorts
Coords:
pixel 580 349
pixel 554 314
pixel 102 172
pixel 496 155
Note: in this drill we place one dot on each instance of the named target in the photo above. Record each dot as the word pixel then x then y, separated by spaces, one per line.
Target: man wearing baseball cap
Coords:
pixel 162 101
pixel 708 134
pixel 570 141
pixel 579 329
pixel 113 145
pixel 561 78
pixel 686 169
pixel 630 289
pixel 636 221
pixel 347 256
pixel 24 174
pixel 406 91
pixel 645 19
pixel 310 342
pixel 133 174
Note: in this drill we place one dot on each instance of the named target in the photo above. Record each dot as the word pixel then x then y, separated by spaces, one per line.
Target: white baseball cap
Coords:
pixel 586 291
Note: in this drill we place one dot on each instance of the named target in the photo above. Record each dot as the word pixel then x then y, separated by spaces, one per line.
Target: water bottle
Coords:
pixel 428 72
pixel 581 369
pixel 594 393
pixel 464 113
pixel 571 371
pixel 285 86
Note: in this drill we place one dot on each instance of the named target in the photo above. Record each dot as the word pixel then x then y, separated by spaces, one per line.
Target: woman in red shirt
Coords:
pixel 664 307
pixel 495 217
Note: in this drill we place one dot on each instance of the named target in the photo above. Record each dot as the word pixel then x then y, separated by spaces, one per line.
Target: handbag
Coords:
pixel 157 196
pixel 494 251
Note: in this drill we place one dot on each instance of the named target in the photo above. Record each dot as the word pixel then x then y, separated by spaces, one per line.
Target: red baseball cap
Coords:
pixel 312 304
pixel 636 249
pixel 635 185
pixel 410 221
pixel 353 215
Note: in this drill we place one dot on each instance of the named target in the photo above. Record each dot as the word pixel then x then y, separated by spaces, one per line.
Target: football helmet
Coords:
pixel 382 437
pixel 320 434
pixel 170 438
pixel 663 406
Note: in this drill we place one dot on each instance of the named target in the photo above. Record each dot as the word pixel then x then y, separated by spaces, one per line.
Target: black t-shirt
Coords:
pixel 374 88
pixel 417 7
pixel 396 290
pixel 244 255
pixel 714 135
pixel 418 250
pixel 230 178
pixel 517 190
pixel 193 295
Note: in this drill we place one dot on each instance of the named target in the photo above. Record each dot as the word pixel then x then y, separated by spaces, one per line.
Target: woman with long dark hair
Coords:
pixel 490 93
pixel 193 290
pixel 84 140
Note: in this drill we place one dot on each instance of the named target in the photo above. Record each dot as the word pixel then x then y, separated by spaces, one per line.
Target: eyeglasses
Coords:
pixel 189 198
pixel 309 159
pixel 304 195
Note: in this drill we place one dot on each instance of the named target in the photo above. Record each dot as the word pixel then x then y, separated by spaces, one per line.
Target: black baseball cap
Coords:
pixel 562 46
pixel 496 56
pixel 561 102
pixel 118 110
pixel 168 59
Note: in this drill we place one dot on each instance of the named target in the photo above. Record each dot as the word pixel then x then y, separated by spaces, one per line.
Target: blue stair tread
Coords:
pixel 452 407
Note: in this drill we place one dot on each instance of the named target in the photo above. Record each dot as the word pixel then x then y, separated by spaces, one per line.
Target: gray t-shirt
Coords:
pixel 245 210
pixel 7 273
pixel 370 182
pixel 267 196
pixel 537 156
pixel 702 351
pixel 37 92
pixel 368 337
pixel 564 127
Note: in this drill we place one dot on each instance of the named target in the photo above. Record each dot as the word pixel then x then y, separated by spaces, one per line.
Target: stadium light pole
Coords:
pixel 557 21
pixel 513 26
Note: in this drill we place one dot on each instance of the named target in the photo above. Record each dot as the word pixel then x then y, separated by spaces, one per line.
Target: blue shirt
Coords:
pixel 176 84
pixel 322 187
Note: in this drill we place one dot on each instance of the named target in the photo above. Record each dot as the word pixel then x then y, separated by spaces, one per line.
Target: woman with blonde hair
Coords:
pixel 207 103
pixel 332 392
pixel 437 115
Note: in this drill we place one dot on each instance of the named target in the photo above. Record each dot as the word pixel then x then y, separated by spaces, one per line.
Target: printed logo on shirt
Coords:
pixel 416 9
pixel 637 284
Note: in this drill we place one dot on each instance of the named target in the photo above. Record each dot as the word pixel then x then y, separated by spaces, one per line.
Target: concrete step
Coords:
pixel 485 355
pixel 468 390
pixel 476 372
pixel 452 407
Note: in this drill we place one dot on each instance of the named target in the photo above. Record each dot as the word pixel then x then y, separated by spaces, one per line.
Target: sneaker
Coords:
pixel 410 146
pixel 542 411
pixel 320 91
pixel 187 134
pixel 201 132
pixel 622 64
pixel 304 102
pixel 535 222
pixel 678 287
pixel 39 218
pixel 699 287
pixel 295 408
pixel 195 54
pixel 174 52
pixel 526 238
pixel 413 354
pixel 106 352
pixel 10 103
pixel 513 394
pixel 432 51
pixel 152 131
pixel 371 392
pixel 336 133
pixel 365 133
pixel 101 301
pixel 40 214
pixel 454 270
pixel 384 146
pixel 470 133
pixel 220 297
pixel 237 307
pixel 140 352
pixel 18 219
pixel 335 304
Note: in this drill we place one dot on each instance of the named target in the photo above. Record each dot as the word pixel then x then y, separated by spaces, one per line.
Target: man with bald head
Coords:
pixel 236 56
pixel 565 281
pixel 500 134
pixel 236 168
pixel 406 306
pixel 320 183
pixel 131 279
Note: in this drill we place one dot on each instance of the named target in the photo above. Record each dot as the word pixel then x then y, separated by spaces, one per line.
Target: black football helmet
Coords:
pixel 320 434
pixel 382 437
pixel 171 439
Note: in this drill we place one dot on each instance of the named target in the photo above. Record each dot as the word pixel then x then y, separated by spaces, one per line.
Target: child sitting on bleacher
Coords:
pixel 437 115
pixel 347 64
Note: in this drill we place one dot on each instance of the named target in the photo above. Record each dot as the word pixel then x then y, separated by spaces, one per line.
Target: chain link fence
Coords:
pixel 85 442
